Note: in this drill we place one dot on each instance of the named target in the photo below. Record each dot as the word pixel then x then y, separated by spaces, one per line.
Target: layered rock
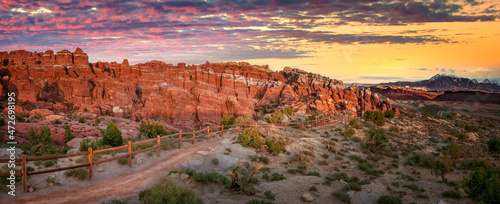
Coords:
pixel 185 96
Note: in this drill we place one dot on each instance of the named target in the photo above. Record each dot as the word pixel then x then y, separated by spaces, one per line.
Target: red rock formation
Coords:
pixel 185 96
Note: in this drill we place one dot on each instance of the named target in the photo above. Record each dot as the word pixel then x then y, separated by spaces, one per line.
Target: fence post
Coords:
pixel 158 144
pixel 285 127
pixel 208 132
pixel 180 139
pixel 194 137
pixel 129 154
pixel 25 174
pixel 222 133
pixel 91 172
pixel 239 129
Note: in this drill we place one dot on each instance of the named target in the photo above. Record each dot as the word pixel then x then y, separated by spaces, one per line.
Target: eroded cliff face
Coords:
pixel 185 96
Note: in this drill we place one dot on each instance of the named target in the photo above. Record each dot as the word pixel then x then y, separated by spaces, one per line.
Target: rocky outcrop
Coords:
pixel 185 96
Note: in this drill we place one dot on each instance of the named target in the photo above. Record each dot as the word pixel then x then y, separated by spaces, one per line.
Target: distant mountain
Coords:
pixel 442 82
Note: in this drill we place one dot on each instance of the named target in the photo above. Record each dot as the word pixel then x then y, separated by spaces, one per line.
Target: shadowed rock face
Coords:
pixel 183 95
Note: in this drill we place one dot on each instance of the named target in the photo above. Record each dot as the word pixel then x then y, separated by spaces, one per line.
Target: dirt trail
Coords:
pixel 121 185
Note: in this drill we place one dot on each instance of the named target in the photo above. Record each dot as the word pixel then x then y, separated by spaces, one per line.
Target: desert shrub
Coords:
pixel 151 128
pixel 20 118
pixel 276 145
pixel 80 173
pixel 425 115
pixel 483 185
pixel 451 194
pixel 313 173
pixel 394 129
pixel 167 192
pixel 376 140
pixel 264 160
pixel 275 117
pixel 376 117
pixel 354 123
pixel 215 161
pixel 81 120
pixel 433 140
pixel 277 177
pixel 389 114
pixel 412 187
pixel 56 122
pixel 244 120
pixel 269 195
pixel 112 136
pixel 227 120
pixel 89 142
pixel 344 197
pixel 212 177
pixel 114 201
pixel 454 150
pixel 442 166
pixel 41 141
pixel 49 163
pixel 287 111
pixel 471 128
pixel 473 164
pixel 389 200
pixel 123 161
pixel 349 132
pixel 68 136
pixel 421 160
pixel 250 137
pixel 351 187
pixel 494 145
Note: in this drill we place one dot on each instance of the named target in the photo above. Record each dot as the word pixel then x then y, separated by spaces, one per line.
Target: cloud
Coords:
pixel 423 69
pixel 200 28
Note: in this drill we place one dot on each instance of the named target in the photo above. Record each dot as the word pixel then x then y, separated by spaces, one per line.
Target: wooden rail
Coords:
pixel 192 137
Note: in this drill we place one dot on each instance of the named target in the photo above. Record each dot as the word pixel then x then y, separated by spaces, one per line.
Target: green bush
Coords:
pixel 277 177
pixel 112 136
pixel 376 140
pixel 269 195
pixel 227 120
pixel 264 160
pixel 275 117
pixel 389 114
pixel 123 161
pixel 351 187
pixel 250 137
pixel 68 136
pixel 349 132
pixel 494 145
pixel 167 192
pixel 151 128
pixel 389 200
pixel 471 128
pixel 454 150
pixel 421 160
pixel 80 173
pixel 213 177
pixel 376 117
pixel 56 122
pixel 344 197
pixel 287 111
pixel 81 120
pixel 20 118
pixel 451 194
pixel 89 142
pixel 483 184
pixel 244 120
pixel 49 163
pixel 41 141
pixel 276 145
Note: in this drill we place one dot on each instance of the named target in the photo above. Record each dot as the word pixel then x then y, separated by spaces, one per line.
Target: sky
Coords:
pixel 356 41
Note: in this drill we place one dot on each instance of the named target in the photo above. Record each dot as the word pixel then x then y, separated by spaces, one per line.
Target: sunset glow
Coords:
pixel 362 41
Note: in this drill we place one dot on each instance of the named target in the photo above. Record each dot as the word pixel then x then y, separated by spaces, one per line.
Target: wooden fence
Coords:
pixel 181 137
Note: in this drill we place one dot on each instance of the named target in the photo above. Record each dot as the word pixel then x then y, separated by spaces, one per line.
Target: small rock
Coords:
pixel 51 184
pixel 31 190
pixel 440 202
pixel 138 161
pixel 100 169
pixel 184 176
pixel 307 197
pixel 173 175
pixel 204 153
